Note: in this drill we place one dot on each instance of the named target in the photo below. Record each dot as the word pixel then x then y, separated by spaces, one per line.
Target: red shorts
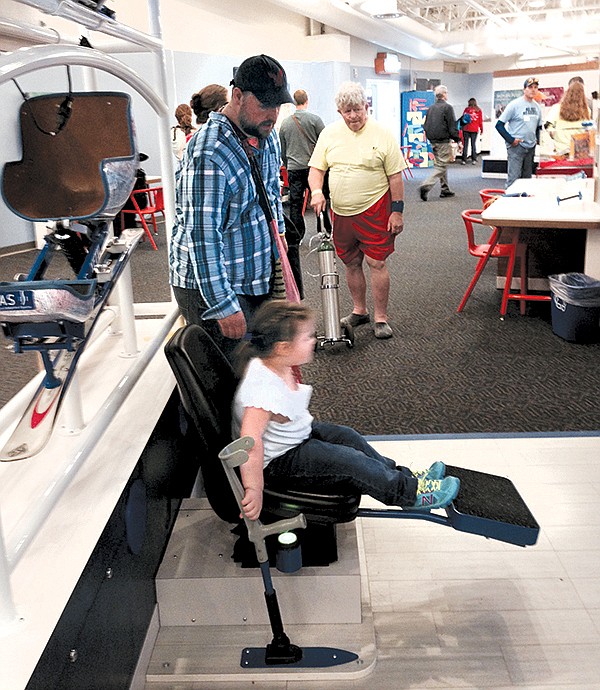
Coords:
pixel 365 233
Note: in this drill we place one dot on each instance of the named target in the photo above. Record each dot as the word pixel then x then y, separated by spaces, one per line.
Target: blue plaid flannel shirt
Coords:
pixel 221 241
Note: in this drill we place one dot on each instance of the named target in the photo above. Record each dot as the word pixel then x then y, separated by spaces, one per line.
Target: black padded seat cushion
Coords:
pixel 207 385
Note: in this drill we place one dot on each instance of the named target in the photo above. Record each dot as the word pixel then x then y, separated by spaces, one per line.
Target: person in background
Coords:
pixel 290 447
pixel 183 130
pixel 440 127
pixel 579 79
pixel 472 125
pixel 298 135
pixel 222 254
pixel 567 117
pixel 208 100
pixel 520 125
pixel 367 199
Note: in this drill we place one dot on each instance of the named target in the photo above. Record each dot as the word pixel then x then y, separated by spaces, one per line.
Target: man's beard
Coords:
pixel 253 130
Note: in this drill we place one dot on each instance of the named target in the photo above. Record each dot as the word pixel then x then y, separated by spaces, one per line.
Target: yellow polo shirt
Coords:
pixel 359 164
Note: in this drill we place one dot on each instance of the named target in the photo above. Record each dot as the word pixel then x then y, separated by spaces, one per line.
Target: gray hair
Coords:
pixel 440 91
pixel 350 94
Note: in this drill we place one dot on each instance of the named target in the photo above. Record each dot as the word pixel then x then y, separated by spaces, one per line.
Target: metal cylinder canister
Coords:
pixel 329 285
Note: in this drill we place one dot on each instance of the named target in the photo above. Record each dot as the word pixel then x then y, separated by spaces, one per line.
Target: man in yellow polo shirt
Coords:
pixel 367 199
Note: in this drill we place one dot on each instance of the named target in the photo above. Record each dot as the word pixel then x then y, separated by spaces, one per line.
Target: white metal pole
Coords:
pixel 72 420
pixel 124 289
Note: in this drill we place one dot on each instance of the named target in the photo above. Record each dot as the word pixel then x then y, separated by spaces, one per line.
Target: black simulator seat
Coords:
pixel 487 505
pixel 207 384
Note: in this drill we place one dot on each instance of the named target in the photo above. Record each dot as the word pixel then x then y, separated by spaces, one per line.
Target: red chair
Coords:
pixel 406 151
pixel 155 204
pixel 283 176
pixel 305 202
pixel 491 249
pixel 488 194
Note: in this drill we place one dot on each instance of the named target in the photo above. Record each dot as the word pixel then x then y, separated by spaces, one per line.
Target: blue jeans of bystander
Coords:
pixel 520 162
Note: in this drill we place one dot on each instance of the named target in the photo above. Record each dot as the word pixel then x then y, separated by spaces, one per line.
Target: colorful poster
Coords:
pixel 503 98
pixel 415 105
pixel 551 95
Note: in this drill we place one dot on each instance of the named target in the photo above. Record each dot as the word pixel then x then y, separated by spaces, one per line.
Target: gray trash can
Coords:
pixel 575 307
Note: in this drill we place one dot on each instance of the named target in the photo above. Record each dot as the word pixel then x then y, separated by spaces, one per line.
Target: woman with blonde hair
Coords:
pixel 567 117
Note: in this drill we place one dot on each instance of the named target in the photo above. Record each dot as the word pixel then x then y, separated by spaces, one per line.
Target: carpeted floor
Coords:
pixel 445 372
pixel 442 372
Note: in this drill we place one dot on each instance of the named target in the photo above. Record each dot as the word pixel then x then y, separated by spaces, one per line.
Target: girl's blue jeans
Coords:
pixel 337 459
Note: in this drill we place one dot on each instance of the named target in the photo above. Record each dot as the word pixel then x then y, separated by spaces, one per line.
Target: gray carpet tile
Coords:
pixel 444 372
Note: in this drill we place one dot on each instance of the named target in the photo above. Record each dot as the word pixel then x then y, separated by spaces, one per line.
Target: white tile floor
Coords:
pixel 454 610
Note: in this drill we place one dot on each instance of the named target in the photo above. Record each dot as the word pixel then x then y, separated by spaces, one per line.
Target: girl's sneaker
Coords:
pixel 435 493
pixel 435 471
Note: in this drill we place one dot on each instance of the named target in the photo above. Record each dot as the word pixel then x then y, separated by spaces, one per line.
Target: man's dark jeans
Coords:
pixel 192 306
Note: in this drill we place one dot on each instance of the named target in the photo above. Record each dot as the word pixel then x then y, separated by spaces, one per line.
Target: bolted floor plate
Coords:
pixel 312 657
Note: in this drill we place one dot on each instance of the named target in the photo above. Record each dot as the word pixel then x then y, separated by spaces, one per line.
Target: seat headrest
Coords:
pixel 81 166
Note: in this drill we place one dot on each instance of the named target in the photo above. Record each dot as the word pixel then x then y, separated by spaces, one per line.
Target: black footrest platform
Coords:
pixel 490 506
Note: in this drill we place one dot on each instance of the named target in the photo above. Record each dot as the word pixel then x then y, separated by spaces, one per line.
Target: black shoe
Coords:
pixel 447 193
pixel 423 192
pixel 355 319
pixel 382 330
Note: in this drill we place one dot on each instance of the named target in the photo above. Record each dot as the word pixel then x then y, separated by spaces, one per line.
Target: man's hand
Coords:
pixel 395 223
pixel 252 503
pixel 516 142
pixel 233 326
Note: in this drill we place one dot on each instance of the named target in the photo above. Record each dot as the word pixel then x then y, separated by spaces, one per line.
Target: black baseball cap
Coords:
pixel 265 78
pixel 530 82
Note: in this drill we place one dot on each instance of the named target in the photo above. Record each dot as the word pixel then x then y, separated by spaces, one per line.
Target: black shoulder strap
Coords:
pixel 256 173
pixel 302 130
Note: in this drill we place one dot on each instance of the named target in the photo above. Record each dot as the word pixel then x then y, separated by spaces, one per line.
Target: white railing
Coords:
pixel 32 59
pixel 27 528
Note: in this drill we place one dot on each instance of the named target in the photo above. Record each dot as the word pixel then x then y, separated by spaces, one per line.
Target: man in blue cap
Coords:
pixel 520 124
pixel 221 245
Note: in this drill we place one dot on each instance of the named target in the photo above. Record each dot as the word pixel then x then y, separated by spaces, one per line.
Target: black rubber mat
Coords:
pixel 490 505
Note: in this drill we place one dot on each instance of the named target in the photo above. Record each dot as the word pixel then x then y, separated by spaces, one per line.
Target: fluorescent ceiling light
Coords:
pixel 382 9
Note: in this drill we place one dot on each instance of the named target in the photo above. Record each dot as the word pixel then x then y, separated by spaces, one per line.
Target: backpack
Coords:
pixel 465 119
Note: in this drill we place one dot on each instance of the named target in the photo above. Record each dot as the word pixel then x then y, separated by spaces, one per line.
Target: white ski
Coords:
pixel 35 427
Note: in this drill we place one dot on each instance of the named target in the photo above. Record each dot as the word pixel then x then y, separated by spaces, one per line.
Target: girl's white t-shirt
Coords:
pixel 262 388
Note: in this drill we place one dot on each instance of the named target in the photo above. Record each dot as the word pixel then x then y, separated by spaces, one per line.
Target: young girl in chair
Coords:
pixel 291 449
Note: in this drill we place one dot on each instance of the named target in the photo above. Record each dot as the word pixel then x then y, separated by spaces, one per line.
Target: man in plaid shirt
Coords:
pixel 221 245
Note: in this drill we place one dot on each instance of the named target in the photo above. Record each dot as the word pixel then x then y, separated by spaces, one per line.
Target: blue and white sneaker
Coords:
pixel 435 471
pixel 435 493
